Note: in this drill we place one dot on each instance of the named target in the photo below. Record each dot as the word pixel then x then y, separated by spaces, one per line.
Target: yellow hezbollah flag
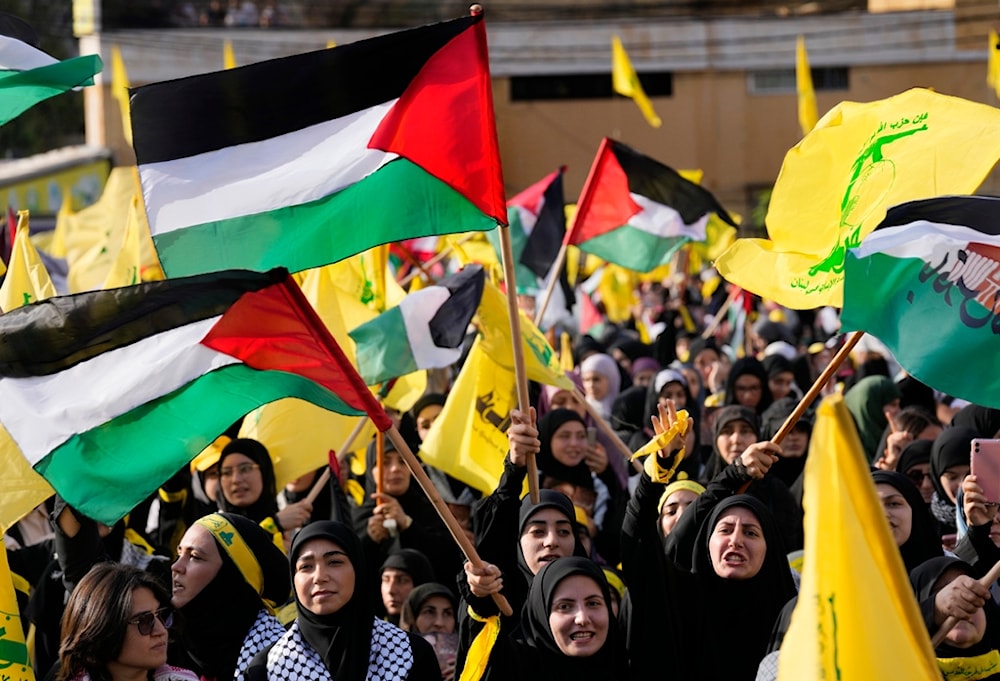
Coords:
pixel 21 488
pixel 119 90
pixel 27 280
pixel 625 81
pixel 14 660
pixel 804 87
pixel 837 183
pixel 468 440
pixel 993 63
pixel 541 362
pixel 126 268
pixel 856 616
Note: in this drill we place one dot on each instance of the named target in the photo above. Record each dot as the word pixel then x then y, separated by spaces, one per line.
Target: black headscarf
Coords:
pixel 787 469
pixel 217 619
pixel 734 412
pixel 951 448
pixel 923 542
pixel 749 366
pixel 917 452
pixel 983 420
pixel 265 506
pixel 924 578
pixel 578 475
pixel 343 639
pixel 420 594
pixel 608 663
pixel 741 612
pixel 547 498
pixel 412 562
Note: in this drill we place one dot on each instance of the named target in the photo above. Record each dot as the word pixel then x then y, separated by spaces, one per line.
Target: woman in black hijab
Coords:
pixel 972 648
pixel 921 542
pixel 747 385
pixel 950 456
pixel 336 634
pixel 227 579
pixel 983 420
pixel 567 629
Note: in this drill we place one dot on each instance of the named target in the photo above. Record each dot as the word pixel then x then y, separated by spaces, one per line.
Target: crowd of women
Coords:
pixel 679 567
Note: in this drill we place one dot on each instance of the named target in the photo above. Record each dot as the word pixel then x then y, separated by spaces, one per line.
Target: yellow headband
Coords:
pixel 615 582
pixel 689 485
pixel 232 541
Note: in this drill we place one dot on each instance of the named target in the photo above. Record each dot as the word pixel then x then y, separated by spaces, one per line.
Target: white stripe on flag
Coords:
pixel 43 412
pixel 16 55
pixel 921 239
pixel 417 311
pixel 663 221
pixel 287 170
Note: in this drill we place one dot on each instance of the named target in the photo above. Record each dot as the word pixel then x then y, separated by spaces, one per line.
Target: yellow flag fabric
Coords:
pixel 993 63
pixel 21 488
pixel 119 90
pixel 468 439
pixel 228 56
pixel 126 268
pixel 625 81
pixel 837 183
pixel 804 87
pixel 541 362
pixel 27 280
pixel 856 616
pixel 14 660
pixel 617 288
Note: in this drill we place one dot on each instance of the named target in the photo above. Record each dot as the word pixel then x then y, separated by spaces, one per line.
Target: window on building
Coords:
pixel 782 81
pixel 583 86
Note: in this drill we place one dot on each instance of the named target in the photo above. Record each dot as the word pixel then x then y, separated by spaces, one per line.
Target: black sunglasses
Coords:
pixel 145 621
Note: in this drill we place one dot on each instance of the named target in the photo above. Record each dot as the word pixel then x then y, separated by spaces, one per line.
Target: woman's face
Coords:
pixel 920 474
pixel 674 507
pixel 644 378
pixel 569 443
pixel 324 577
pixel 735 437
pixel 141 652
pixel 564 399
pixel 595 385
pixel 704 361
pixel 781 384
pixel 425 419
pixel 737 546
pixel 795 444
pixel 952 479
pixel 897 512
pixel 578 616
pixel 198 562
pixel 547 535
pixel 396 479
pixel 241 480
pixel 748 389
pixel 436 615
pixel 673 391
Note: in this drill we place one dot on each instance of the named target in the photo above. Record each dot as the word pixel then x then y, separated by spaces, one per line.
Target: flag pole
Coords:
pixel 442 510
pixel 520 375
pixel 417 265
pixel 436 259
pixel 813 392
pixel 606 429
pixel 721 314
pixel 325 475
pixel 553 279
pixel 987 581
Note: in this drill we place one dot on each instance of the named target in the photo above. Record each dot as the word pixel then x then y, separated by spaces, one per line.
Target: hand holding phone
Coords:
pixel 986 467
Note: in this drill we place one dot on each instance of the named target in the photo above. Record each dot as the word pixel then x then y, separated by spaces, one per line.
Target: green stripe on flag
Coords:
pixel 634 249
pixel 21 90
pixel 383 348
pixel 326 230
pixel 107 471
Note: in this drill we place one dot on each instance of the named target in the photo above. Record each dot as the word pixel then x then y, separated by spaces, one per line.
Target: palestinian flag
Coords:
pixel 425 331
pixel 108 393
pixel 309 159
pixel 29 76
pixel 537 219
pixel 926 282
pixel 635 211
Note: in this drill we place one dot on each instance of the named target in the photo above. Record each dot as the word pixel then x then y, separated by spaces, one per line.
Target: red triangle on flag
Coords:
pixel 605 202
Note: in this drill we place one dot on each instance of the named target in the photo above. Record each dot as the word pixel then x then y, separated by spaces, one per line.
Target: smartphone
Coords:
pixel 591 436
pixel 986 467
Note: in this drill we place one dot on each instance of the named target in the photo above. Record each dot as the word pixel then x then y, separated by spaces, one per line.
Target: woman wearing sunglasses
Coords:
pixel 114 628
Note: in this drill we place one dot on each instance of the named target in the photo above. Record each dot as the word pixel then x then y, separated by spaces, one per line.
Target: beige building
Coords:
pixel 723 86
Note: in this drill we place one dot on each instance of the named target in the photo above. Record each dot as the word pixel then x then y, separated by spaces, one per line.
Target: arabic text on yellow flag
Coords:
pixel 856 616
pixel 27 280
pixel 625 81
pixel 993 63
pixel 804 87
pixel 119 90
pixel 14 659
pixel 541 361
pixel 837 183
pixel 468 440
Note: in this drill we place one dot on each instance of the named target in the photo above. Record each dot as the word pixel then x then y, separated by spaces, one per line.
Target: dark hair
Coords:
pixel 96 618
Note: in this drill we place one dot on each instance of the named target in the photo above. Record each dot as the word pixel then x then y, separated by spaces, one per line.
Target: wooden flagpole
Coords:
pixel 721 314
pixel 445 252
pixel 325 475
pixel 553 280
pixel 949 624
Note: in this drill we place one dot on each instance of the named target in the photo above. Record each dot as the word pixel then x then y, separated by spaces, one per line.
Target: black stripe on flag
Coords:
pixel 981 213
pixel 58 333
pixel 188 116
pixel 449 323
pixel 650 178
pixel 547 235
